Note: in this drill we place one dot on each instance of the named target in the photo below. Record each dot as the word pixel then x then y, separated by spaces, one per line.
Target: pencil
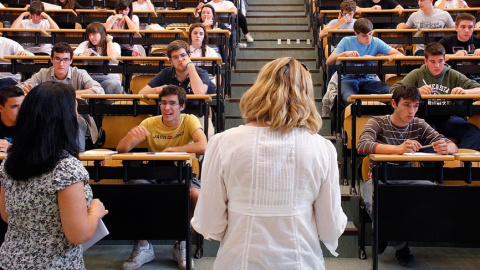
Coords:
pixel 426 146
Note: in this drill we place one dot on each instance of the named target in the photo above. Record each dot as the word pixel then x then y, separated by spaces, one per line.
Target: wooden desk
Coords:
pixel 87 16
pixel 23 35
pixel 71 36
pixel 429 213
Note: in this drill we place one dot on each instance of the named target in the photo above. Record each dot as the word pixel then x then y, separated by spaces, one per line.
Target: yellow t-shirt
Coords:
pixel 162 137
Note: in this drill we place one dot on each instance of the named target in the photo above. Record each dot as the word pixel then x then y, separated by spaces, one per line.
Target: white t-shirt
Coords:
pixel 451 3
pixel 9 47
pixel 97 76
pixel 209 52
pixel 223 5
pixel 137 6
pixel 31 47
pixel 1 5
pixel 115 26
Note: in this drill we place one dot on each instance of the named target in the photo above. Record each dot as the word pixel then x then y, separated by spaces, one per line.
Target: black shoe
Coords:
pixel 382 245
pixel 405 257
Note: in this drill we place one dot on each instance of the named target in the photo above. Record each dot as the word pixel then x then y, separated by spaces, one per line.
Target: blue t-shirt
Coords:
pixel 377 46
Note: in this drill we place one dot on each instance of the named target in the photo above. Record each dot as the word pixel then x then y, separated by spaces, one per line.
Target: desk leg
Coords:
pixel 375 217
pixel 126 167
pixel 96 166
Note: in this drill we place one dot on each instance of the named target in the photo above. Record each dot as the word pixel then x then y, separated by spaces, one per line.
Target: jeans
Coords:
pixel 465 133
pixel 361 85
pixel 111 86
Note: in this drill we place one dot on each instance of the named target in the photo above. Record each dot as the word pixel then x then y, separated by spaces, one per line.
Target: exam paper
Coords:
pixel 100 233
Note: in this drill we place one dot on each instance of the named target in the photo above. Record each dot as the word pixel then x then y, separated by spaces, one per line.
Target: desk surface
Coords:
pixel 207 98
pixel 31 30
pixel 153 156
pixel 96 155
pixel 406 158
pixel 467 156
pixel 388 97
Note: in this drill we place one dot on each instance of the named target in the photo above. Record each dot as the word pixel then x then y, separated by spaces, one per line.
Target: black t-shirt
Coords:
pixel 385 4
pixel 452 44
pixel 6 133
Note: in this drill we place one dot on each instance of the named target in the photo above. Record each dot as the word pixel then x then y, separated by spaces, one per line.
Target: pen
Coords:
pixel 150 153
pixel 424 82
pixel 426 146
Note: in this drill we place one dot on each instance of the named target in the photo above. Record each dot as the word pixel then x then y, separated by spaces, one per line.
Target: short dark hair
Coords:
pixel 122 5
pixel 174 90
pixel 465 17
pixel 36 8
pixel 362 26
pixel 434 48
pixel 62 47
pixel 408 91
pixel 9 92
pixel 348 6
pixel 177 45
pixel 48 111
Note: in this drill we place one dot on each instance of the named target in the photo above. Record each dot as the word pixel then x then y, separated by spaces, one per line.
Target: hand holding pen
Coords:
pixel 426 89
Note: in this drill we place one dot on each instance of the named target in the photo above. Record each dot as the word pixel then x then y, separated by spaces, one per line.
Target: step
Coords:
pixel 282 34
pixel 258 63
pixel 267 20
pixel 271 7
pixel 267 52
pixel 277 13
pixel 285 28
pixel 274 43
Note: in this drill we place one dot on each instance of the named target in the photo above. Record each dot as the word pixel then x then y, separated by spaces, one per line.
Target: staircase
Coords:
pixel 282 28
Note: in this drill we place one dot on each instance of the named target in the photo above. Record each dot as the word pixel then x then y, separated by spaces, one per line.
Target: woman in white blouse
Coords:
pixel 124 19
pixel 270 188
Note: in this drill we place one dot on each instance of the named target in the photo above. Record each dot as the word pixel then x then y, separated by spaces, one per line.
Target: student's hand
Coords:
pixel 26 88
pixel 458 91
pixel 25 14
pixel 440 147
pixel 352 54
pixel 135 53
pixel 97 208
pixel 22 53
pixel 139 132
pixel 400 11
pixel 408 146
pixel 44 15
pixel 186 60
pixel 377 7
pixel 200 5
pixel 476 52
pixel 208 22
pixel 86 52
pixel 4 145
pixel 461 53
pixel 425 90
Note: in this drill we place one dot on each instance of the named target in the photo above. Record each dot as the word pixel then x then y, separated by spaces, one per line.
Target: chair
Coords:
pixel 139 81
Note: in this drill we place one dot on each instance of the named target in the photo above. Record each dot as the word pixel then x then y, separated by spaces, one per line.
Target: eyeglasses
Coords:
pixel 177 57
pixel 171 103
pixel 58 60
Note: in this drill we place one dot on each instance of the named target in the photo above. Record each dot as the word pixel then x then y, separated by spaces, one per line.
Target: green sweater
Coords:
pixel 441 84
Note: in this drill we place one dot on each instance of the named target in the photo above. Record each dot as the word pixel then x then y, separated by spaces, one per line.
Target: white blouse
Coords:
pixel 269 198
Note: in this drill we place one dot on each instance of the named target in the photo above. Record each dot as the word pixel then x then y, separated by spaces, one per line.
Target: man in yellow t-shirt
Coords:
pixel 170 132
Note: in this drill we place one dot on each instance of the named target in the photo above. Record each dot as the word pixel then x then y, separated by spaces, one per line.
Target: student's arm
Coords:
pixel 461 91
pixel 149 90
pixel 135 136
pixel 445 148
pixel 341 21
pixel 332 59
pixel 402 26
pixel 393 52
pixel 18 22
pixel 88 85
pixel 440 4
pixel 399 9
pixel 77 222
pixel 131 24
pixel 4 145
pixel 150 5
pixel 196 83
pixel 198 146
pixel 112 48
pixel 3 211
pixel 112 20
pixel 53 24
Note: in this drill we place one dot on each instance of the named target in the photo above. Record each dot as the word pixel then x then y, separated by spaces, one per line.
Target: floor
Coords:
pixel 105 257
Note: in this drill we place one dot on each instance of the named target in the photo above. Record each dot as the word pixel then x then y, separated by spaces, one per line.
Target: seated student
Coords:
pixel 208 18
pixel 398 133
pixel 442 4
pixel 428 17
pixel 345 18
pixel 124 19
pixel 364 5
pixel 11 98
pixel 198 40
pixel 38 19
pixel 464 42
pixel 101 44
pixel 61 71
pixel 362 44
pixel 10 47
pixel 170 132
pixel 437 78
pixel 143 5
pixel 228 5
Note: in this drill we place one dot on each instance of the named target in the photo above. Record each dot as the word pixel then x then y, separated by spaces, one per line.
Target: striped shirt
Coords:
pixel 381 130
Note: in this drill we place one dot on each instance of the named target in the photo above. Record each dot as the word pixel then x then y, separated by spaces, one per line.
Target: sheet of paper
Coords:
pixel 420 154
pixel 160 153
pixel 100 233
pixel 98 152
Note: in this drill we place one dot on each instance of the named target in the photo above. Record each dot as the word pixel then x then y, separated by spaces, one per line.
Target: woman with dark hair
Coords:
pixel 101 44
pixel 48 206
pixel 198 40
pixel 124 19
pixel 208 17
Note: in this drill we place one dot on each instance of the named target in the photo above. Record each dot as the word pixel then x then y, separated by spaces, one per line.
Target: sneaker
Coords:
pixel 405 257
pixel 382 245
pixel 249 37
pixel 242 45
pixel 179 252
pixel 139 257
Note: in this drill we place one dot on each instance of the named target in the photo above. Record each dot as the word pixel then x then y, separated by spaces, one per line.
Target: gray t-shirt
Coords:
pixel 439 19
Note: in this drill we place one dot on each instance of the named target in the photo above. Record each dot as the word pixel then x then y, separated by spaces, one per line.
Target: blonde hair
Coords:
pixel 282 97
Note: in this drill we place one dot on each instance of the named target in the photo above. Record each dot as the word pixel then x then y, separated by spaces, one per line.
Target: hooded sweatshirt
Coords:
pixel 442 84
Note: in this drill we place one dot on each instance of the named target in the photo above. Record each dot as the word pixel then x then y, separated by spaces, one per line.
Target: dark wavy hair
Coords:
pixel 47 128
pixel 205 36
pixel 215 18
